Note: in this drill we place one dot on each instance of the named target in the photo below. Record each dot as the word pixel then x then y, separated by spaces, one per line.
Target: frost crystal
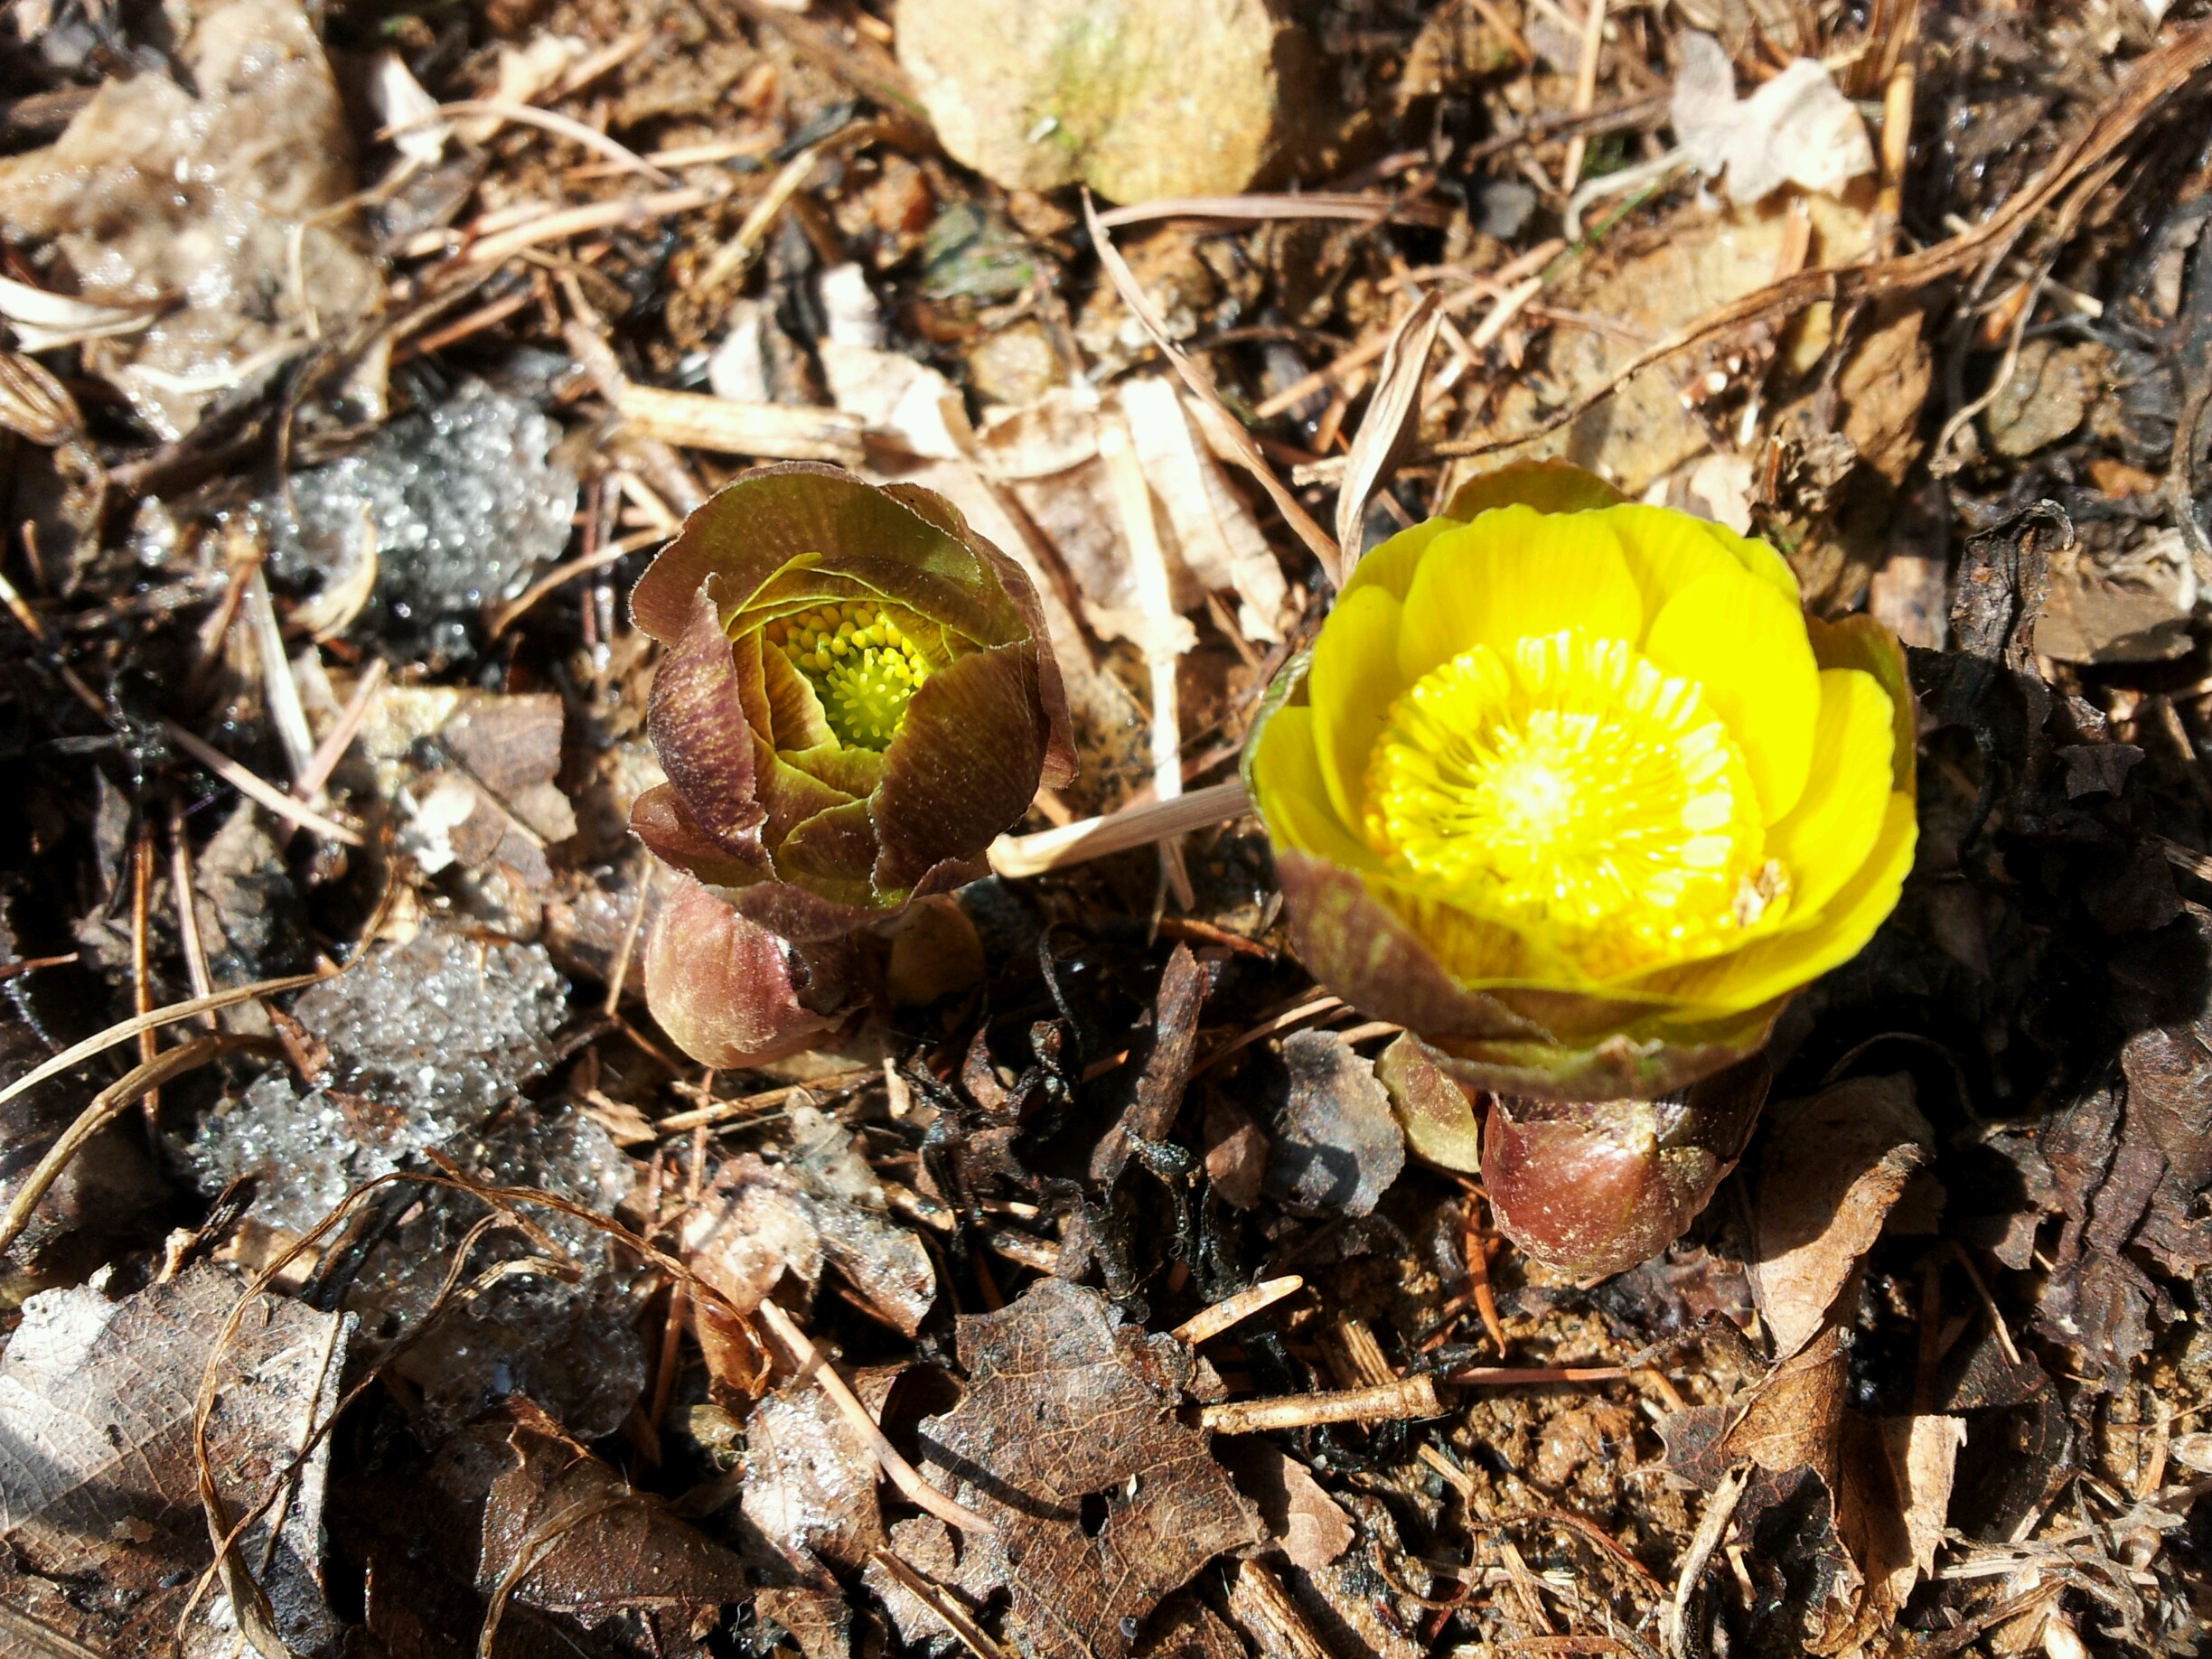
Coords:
pixel 465 504
pixel 428 1039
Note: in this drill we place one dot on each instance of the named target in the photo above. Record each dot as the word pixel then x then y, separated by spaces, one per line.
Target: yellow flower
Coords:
pixel 1573 789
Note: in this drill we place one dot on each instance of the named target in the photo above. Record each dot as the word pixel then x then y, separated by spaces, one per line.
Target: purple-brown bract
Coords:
pixel 856 696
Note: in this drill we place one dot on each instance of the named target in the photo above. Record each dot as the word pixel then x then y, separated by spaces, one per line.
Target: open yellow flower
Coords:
pixel 1573 789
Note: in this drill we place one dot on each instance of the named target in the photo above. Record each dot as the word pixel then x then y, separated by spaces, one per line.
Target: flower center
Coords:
pixel 862 667
pixel 1575 789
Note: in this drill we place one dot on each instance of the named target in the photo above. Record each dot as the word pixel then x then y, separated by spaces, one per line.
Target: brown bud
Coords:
pixel 1593 1187
pixel 731 993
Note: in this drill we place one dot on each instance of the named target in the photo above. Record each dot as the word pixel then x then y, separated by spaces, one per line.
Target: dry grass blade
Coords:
pixel 933 1596
pixel 734 257
pixel 769 431
pixel 341 735
pixel 1319 205
pixel 584 564
pixel 33 403
pixel 2156 77
pixel 595 216
pixel 552 121
pixel 259 789
pixel 901 1473
pixel 1096 837
pixel 1388 428
pixel 108 1105
pixel 124 1030
pixel 1132 295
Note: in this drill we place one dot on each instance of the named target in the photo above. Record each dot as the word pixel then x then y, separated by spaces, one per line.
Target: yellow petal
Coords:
pixel 1761 560
pixel 1514 574
pixel 1861 643
pixel 1747 645
pixel 1666 551
pixel 1352 684
pixel 1829 833
pixel 1389 566
pixel 1293 799
pixel 1779 964
pixel 1474 949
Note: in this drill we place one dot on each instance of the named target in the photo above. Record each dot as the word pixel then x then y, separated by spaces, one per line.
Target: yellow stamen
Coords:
pixel 1576 791
pixel 861 669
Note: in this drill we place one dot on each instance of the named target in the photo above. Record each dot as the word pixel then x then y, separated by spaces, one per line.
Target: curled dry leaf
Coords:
pixel 821 1207
pixel 1159 1094
pixel 1796 128
pixel 1834 1166
pixel 1337 1148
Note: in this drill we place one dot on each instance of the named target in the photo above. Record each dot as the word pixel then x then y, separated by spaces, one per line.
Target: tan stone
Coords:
pixel 1137 99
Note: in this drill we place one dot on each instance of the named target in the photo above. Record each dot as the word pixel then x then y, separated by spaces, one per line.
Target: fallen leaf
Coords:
pixel 1923 1459
pixel 98 1487
pixel 1834 1166
pixel 1158 1095
pixel 959 1566
pixel 568 1537
pixel 1185 1628
pixel 1791 1426
pixel 1236 1157
pixel 1797 128
pixel 1302 1520
pixel 1214 542
pixel 821 1207
pixel 1337 1148
pixel 1066 1439
pixel 810 1476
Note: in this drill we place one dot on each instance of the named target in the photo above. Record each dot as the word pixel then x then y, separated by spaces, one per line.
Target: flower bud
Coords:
pixel 1593 1187
pixel 855 696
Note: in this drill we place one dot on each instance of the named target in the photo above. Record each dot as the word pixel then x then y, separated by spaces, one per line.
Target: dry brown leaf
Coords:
pixel 97 1481
pixel 1797 128
pixel 1063 1404
pixel 821 1207
pixel 1216 545
pixel 1393 421
pixel 1338 1147
pixel 1159 1097
pixel 1303 1521
pixel 568 1537
pixel 1834 1166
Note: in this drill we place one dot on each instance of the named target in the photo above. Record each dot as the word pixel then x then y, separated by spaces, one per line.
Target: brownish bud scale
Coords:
pixel 1593 1187
pixel 730 992
pixel 856 696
